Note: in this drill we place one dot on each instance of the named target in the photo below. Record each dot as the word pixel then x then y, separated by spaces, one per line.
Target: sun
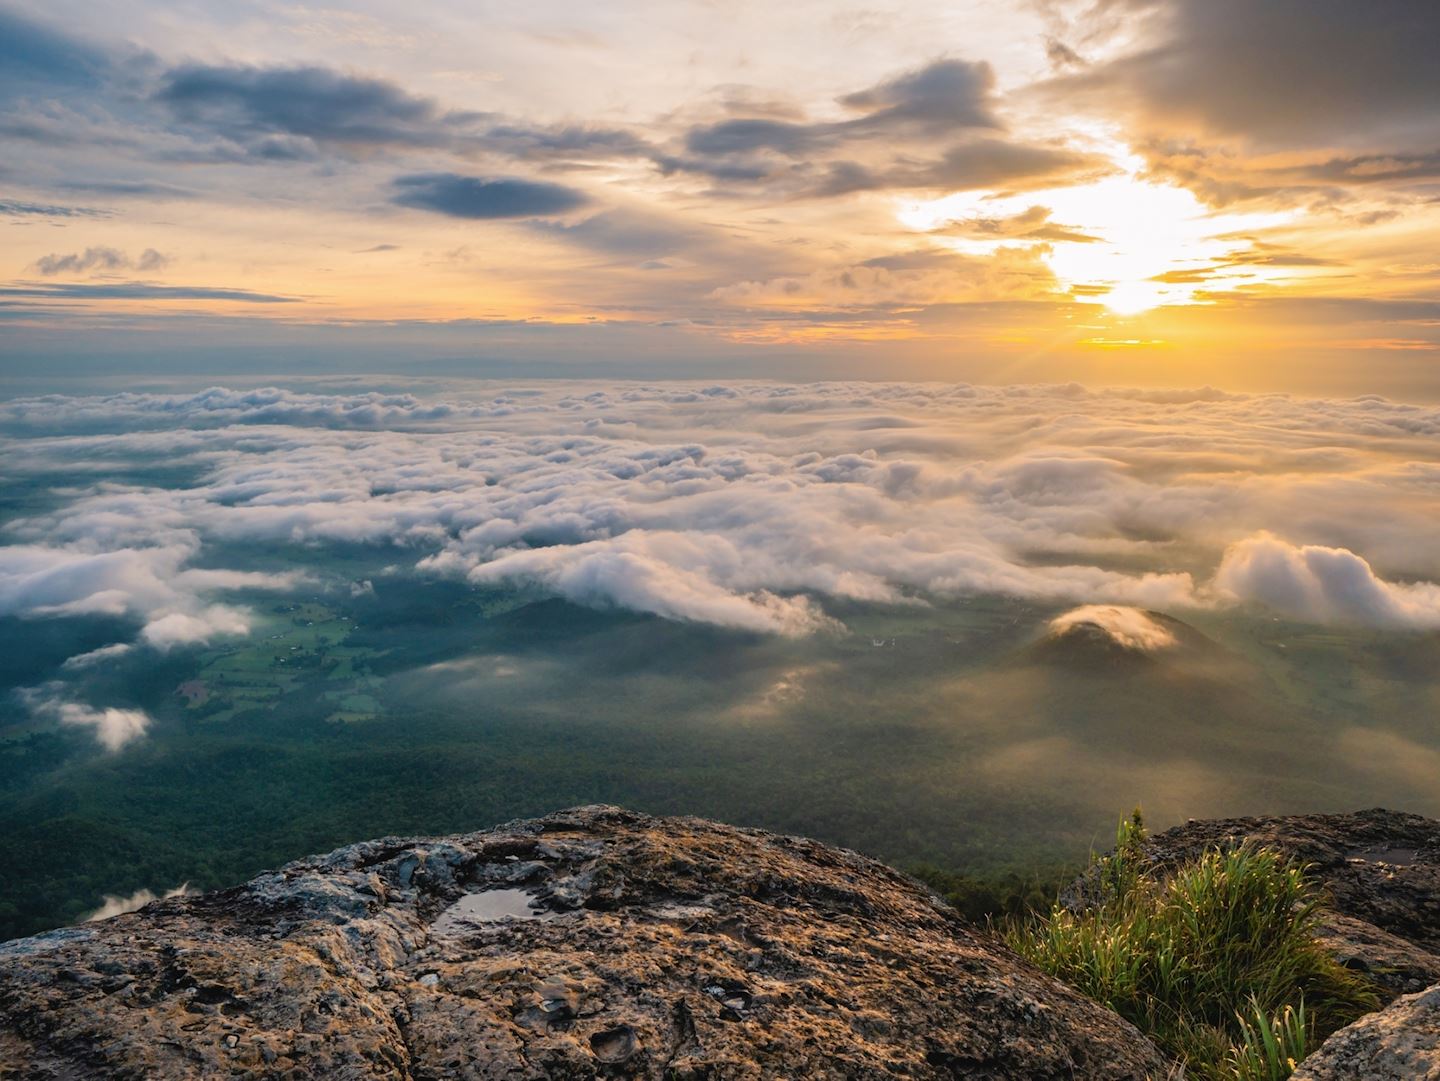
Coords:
pixel 1131 243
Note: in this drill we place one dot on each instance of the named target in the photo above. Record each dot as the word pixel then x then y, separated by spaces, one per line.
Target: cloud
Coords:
pixel 1033 225
pixel 636 234
pixel 97 656
pixel 553 143
pixel 187 628
pixel 329 132
pixel 39 580
pixel 669 575
pixel 143 189
pixel 935 99
pixel 147 582
pixel 139 291
pixel 260 405
pixel 114 728
pixel 100 259
pixel 284 113
pixel 288 112
pixel 750 506
pixel 1128 627
pixel 938 99
pixel 748 134
pixel 114 905
pixel 1062 56
pixel 984 163
pixel 1323 585
pixel 485 197
pixel 90 259
pixel 33 54
pixel 934 127
pixel 974 164
pixel 928 276
pixel 12 208
pixel 1286 104
pixel 1285 72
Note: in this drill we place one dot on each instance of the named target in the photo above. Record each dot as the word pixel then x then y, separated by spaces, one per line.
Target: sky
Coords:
pixel 1139 192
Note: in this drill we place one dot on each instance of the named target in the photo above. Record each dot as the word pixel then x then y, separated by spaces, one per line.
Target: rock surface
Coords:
pixel 1400 1043
pixel 1381 870
pixel 592 943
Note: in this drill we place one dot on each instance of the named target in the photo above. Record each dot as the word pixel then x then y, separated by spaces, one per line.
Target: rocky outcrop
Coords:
pixel 1380 870
pixel 1400 1043
pixel 592 943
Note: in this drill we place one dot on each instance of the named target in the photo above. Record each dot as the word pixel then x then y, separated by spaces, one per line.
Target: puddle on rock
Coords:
pixel 614 1044
pixel 1395 857
pixel 490 906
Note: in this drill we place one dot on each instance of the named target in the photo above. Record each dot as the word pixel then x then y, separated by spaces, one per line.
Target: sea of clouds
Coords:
pixel 744 506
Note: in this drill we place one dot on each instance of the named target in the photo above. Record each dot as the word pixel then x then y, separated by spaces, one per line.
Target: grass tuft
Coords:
pixel 1216 961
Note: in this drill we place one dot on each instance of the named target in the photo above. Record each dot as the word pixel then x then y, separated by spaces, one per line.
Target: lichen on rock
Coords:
pixel 1399 1043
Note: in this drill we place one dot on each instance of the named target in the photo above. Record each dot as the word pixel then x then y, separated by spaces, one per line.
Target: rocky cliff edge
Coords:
pixel 591 943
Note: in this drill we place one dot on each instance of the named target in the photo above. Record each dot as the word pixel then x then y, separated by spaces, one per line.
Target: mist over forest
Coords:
pixel 950 626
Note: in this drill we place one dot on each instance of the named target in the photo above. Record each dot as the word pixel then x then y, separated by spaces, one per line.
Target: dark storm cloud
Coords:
pixel 485 197
pixel 1286 72
pixel 138 291
pixel 890 144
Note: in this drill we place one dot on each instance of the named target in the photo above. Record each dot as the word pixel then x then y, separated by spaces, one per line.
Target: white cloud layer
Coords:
pixel 144 581
pixel 113 727
pixel 740 505
pixel 1323 585
pixel 1129 627
pixel 97 656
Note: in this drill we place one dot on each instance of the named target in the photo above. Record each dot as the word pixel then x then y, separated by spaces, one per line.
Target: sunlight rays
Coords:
pixel 1131 243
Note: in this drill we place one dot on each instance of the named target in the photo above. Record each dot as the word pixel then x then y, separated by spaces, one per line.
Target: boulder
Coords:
pixel 1400 1043
pixel 592 943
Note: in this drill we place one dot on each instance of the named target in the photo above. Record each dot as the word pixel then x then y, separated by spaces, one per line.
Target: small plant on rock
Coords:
pixel 1217 960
